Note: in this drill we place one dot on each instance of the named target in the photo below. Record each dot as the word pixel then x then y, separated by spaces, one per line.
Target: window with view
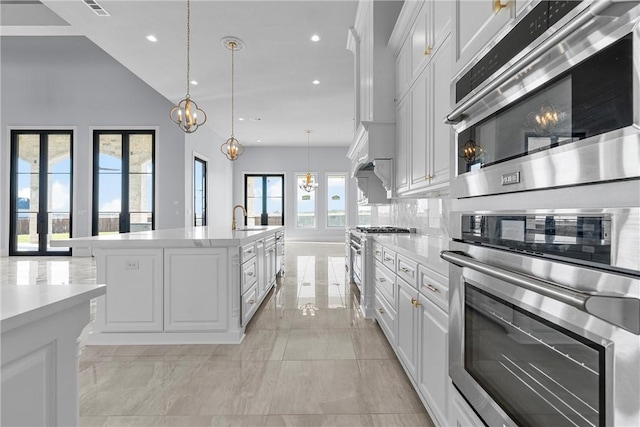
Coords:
pixel 305 204
pixel 336 200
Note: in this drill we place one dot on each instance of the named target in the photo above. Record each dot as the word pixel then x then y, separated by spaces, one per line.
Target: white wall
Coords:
pixel 292 161
pixel 69 82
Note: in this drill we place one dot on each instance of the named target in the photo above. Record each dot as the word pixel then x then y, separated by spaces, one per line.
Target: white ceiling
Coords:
pixel 273 73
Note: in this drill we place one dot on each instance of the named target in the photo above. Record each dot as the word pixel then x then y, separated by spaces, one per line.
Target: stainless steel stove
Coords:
pixel 383 229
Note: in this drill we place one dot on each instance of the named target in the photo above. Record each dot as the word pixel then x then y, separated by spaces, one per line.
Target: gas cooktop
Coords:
pixel 383 229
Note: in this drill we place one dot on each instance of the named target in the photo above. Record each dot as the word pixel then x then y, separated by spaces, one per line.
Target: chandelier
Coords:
pixel 308 184
pixel 232 148
pixel 186 113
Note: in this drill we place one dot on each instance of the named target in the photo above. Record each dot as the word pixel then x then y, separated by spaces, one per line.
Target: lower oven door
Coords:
pixel 531 357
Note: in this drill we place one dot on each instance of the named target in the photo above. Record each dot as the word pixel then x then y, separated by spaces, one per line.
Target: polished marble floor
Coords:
pixel 308 359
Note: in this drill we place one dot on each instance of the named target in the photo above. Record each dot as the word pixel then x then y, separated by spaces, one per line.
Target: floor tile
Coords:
pixel 319 344
pixel 239 421
pixel 318 387
pixel 402 420
pixel 355 420
pixel 370 343
pixel 310 317
pixel 272 319
pixel 259 344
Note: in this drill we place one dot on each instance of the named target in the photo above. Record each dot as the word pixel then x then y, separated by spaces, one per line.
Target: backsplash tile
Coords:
pixel 427 216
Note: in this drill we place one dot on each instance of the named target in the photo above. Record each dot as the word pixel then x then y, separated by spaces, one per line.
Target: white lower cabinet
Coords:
pixel 461 413
pixel 249 303
pixel 433 368
pixel 133 302
pixel 408 325
pixel 192 300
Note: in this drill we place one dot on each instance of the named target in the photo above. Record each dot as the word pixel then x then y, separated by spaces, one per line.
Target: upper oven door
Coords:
pixel 565 111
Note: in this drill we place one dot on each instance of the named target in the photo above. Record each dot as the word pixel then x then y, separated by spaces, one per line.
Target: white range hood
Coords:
pixel 371 155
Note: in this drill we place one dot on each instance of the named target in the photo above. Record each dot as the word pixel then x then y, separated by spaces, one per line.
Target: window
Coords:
pixel 199 192
pixel 364 215
pixel 123 181
pixel 336 200
pixel 305 204
pixel 264 199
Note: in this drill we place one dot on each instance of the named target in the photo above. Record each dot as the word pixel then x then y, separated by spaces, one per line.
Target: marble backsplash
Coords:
pixel 427 216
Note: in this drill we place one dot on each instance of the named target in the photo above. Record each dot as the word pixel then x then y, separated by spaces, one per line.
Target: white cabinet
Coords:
pixel 433 369
pixel 422 39
pixel 478 23
pixel 193 300
pixel 270 263
pixel 408 318
pixel 260 267
pixel 461 414
pixel 133 302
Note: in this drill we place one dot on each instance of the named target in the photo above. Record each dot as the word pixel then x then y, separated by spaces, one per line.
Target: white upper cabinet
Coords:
pixel 478 23
pixel 424 64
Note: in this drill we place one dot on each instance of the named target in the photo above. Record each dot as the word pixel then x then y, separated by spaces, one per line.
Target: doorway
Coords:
pixel 199 192
pixel 264 199
pixel 41 191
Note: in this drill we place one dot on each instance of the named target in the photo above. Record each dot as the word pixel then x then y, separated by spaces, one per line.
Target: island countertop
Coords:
pixel 194 237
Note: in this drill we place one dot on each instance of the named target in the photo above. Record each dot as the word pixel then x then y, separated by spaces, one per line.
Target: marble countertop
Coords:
pixel 21 305
pixel 210 236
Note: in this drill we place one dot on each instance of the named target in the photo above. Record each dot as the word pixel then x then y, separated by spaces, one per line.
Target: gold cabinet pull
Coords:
pixel 382 280
pixel 427 51
pixel 405 269
pixel 381 311
pixel 415 302
pixel 498 5
pixel 252 301
pixel 250 273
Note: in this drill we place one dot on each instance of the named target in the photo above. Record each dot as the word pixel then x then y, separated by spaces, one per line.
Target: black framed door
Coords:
pixel 123 181
pixel 199 192
pixel 41 191
pixel 264 199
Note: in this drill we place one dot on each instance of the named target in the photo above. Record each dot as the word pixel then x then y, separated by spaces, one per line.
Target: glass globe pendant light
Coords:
pixel 232 148
pixel 186 114
pixel 307 184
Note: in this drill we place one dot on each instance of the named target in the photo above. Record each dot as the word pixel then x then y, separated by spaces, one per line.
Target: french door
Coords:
pixel 41 191
pixel 264 199
pixel 123 181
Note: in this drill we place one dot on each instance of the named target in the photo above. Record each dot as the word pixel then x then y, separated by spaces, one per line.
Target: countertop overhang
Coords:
pixel 199 237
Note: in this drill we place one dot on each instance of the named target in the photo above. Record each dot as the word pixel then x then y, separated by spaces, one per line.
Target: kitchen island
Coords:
pixel 197 285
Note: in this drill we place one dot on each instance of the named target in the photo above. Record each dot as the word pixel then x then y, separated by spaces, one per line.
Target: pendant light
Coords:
pixel 232 148
pixel 308 184
pixel 187 114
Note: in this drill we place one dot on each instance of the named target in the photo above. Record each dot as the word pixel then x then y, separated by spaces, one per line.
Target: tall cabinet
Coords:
pixel 422 44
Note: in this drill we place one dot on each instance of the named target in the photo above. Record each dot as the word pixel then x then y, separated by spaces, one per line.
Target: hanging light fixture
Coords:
pixel 308 184
pixel 232 147
pixel 186 114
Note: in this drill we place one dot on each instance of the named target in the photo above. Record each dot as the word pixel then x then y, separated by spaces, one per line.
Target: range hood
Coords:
pixel 371 155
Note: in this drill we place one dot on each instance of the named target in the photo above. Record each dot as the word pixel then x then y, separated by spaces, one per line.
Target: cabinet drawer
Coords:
pixel 249 303
pixel 385 283
pixel 389 259
pixel 407 269
pixel 270 240
pixel 247 252
pixel 386 318
pixel 377 251
pixel 249 274
pixel 434 286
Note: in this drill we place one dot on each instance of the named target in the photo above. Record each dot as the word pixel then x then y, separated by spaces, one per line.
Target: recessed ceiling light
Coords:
pixel 152 38
pixel 316 82
pixel 315 38
pixel 194 82
pixel 259 140
pixel 241 119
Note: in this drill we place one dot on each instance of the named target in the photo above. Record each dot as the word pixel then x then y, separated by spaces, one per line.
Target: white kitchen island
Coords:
pixel 197 285
pixel 40 328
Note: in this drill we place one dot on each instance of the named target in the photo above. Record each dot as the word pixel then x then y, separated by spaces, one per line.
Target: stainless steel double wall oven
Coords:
pixel 545 258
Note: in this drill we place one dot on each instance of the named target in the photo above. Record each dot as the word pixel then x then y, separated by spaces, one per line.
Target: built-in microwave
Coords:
pixel 554 103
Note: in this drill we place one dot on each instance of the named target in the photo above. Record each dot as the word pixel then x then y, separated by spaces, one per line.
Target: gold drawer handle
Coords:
pixel 382 280
pixel 381 311
pixel 250 273
pixel 405 269
pixel 378 252
pixel 252 301
pixel 415 302
pixel 498 5
pixel 433 288
pixel 427 51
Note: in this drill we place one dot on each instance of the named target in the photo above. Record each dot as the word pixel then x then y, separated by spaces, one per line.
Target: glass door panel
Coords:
pixel 41 186
pixel 253 196
pixel 199 192
pixel 264 199
pixel 140 182
pixel 109 188
pixel 275 185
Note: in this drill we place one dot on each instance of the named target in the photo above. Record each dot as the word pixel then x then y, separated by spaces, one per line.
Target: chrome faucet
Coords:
pixel 234 225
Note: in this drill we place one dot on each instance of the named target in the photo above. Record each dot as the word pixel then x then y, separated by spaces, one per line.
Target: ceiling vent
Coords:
pixel 97 9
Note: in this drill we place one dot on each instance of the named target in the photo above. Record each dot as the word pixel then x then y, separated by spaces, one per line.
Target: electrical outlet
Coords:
pixel 132 264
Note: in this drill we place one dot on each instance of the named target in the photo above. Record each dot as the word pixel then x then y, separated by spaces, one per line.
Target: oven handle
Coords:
pixel 456 115
pixel 623 312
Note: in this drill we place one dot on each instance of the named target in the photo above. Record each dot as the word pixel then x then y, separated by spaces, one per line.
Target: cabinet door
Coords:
pixel 418 126
pixel 477 25
pixel 402 144
pixel 433 379
pixel 262 277
pixel 461 414
pixel 403 68
pixel 366 70
pixel 440 134
pixel 408 316
pixel 419 39
pixel 133 302
pixel 196 289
